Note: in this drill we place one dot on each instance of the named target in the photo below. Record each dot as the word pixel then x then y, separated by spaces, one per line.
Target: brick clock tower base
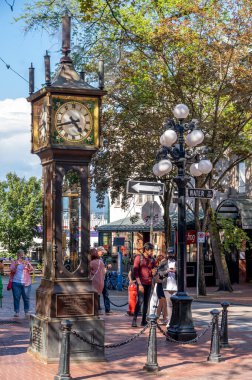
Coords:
pixel 79 306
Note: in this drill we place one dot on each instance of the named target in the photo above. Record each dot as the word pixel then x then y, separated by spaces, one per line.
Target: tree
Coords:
pixel 20 211
pixel 157 54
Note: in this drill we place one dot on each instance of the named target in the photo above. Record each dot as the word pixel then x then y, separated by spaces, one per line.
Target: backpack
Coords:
pixel 131 271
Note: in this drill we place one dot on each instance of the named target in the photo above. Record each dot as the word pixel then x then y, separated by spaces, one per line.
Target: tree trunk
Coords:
pixel 198 227
pixel 219 256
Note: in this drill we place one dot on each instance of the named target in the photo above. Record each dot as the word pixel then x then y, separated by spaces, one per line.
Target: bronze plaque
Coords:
pixel 75 305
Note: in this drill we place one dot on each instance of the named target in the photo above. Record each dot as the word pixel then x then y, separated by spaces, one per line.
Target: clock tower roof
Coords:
pixel 68 78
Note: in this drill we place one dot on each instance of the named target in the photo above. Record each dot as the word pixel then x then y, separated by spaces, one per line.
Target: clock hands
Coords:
pixel 72 121
pixel 79 129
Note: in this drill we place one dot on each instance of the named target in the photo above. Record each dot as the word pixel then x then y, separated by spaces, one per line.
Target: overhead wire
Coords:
pixel 14 71
pixel 128 212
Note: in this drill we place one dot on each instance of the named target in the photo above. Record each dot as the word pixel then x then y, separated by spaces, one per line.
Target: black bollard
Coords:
pixel 224 325
pixel 152 365
pixel 64 363
pixel 214 355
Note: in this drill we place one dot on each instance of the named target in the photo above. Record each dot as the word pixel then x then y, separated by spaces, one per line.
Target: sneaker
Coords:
pixel 27 315
pixel 162 322
pixel 109 312
pixel 144 323
pixel 134 324
pixel 16 315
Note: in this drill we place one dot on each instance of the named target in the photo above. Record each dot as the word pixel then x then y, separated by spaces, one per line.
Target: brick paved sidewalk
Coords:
pixel 176 362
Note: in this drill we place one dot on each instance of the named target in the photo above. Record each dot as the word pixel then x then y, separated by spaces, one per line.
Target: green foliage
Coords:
pixel 233 236
pixel 20 211
pixel 157 54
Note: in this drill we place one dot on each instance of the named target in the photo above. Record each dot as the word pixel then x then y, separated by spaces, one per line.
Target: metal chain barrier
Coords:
pixel 111 345
pixel 170 339
pixel 112 303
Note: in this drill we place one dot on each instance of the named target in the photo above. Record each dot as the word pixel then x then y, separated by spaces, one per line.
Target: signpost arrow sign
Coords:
pixel 140 187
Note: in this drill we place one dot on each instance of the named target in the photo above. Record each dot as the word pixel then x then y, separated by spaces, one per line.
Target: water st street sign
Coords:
pixel 200 193
pixel 140 187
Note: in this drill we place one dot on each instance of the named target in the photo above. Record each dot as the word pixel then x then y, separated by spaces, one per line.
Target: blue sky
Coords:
pixel 18 50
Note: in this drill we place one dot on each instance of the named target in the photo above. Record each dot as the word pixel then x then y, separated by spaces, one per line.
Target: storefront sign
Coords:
pixel 191 237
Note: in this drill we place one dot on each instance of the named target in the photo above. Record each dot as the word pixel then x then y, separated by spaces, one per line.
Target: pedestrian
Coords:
pixel 132 290
pixel 20 270
pixel 101 252
pixel 158 304
pixel 1 282
pixel 143 271
pixel 1 267
pixel 97 273
pixel 171 285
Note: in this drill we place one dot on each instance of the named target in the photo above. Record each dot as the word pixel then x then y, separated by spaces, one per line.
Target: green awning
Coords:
pixel 128 224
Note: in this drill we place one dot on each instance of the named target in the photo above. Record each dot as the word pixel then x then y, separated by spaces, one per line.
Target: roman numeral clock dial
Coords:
pixel 73 121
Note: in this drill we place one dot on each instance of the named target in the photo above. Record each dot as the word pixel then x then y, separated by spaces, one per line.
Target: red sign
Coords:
pixel 191 237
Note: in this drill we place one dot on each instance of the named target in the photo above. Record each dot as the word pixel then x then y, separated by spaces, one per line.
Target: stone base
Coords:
pixel 45 339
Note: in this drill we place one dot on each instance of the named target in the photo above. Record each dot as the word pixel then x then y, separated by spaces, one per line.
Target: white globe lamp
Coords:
pixel 194 138
pixel 181 111
pixel 205 166
pixel 155 170
pixel 164 167
pixel 168 138
pixel 194 170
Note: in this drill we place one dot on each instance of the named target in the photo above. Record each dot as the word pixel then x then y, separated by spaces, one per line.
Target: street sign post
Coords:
pixel 200 193
pixel 201 236
pixel 141 187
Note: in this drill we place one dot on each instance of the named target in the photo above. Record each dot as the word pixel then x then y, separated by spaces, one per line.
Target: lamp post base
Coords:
pixel 181 326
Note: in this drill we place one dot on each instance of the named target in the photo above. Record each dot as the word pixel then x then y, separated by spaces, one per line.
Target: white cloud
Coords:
pixel 15 139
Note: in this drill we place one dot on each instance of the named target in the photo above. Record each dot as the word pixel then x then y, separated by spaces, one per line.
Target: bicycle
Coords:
pixel 112 281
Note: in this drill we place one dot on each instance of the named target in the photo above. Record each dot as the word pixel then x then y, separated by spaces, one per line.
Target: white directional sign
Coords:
pixel 140 187
pixel 200 193
pixel 201 237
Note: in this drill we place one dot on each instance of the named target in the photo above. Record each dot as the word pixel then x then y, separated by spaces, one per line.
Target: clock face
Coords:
pixel 73 121
pixel 43 124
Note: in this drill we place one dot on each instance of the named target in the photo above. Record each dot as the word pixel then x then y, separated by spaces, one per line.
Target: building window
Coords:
pixel 242 177
pixel 140 199
pixel 117 202
pixel 149 198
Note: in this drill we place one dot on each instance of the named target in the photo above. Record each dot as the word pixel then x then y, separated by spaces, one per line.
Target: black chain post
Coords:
pixel 64 363
pixel 152 365
pixel 224 325
pixel 214 355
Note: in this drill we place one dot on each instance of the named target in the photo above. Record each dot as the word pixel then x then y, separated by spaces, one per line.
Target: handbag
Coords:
pixel 9 285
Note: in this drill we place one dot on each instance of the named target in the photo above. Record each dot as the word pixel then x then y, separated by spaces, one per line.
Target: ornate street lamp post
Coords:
pixel 175 152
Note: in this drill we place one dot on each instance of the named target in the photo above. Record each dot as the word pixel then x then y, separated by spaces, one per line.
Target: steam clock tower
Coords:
pixel 66 124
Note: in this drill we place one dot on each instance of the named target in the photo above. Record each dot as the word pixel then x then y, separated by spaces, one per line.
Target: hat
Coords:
pixel 101 248
pixel 170 251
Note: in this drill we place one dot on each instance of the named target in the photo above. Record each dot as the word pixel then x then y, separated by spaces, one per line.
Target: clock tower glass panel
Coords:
pixel 71 220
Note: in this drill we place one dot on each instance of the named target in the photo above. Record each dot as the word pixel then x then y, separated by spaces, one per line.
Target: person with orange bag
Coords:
pixel 132 291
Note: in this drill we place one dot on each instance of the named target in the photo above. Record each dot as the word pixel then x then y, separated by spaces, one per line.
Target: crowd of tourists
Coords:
pixel 154 279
